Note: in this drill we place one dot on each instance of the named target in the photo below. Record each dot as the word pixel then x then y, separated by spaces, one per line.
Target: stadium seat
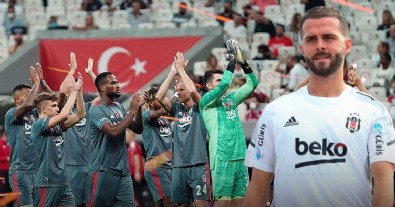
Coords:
pixel 295 8
pixel 261 38
pixel 33 9
pixel 3 54
pixel 3 42
pixel 198 68
pixel 275 93
pixel 378 92
pixel 120 14
pixel 256 64
pixel 209 23
pixel 270 64
pixel 120 24
pixel 223 63
pixel 189 24
pixel 100 15
pixel 360 50
pixel 366 76
pixel 363 63
pixel 164 24
pixel 285 51
pixel 103 23
pixel 270 78
pixel 219 53
pixel 55 2
pixel 273 9
pixel 145 26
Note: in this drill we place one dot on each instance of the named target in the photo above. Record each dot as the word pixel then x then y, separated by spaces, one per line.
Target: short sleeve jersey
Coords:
pixel 157 136
pixel 320 149
pixel 189 136
pixel 23 154
pixel 78 141
pixel 108 154
pixel 49 144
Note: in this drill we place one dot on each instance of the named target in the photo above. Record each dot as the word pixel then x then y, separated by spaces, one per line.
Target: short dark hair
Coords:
pixel 20 87
pixel 280 25
pixel 44 97
pixel 387 56
pixel 208 75
pixel 152 92
pixel 385 45
pixel 325 11
pixel 100 79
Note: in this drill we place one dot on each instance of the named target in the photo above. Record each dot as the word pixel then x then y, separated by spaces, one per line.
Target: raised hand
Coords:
pixel 73 85
pixel 173 68
pixel 79 82
pixel 231 46
pixel 33 76
pixel 180 62
pixel 90 66
pixel 73 63
pixel 136 102
pixel 39 71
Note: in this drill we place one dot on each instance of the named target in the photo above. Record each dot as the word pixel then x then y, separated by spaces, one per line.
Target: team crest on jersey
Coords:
pixel 29 118
pixel 227 103
pixel 353 122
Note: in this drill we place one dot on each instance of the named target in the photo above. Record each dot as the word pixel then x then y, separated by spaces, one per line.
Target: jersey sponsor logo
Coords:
pixel 291 122
pixel 82 122
pixel 261 135
pixel 377 127
pixel 231 114
pixel 353 122
pixel 184 121
pixel 58 140
pixel 324 148
pixel 259 154
pixel 379 145
pixel 164 131
pixel 28 127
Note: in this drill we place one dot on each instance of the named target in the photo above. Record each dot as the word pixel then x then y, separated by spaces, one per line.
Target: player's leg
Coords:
pixel 87 179
pixel 199 181
pixel 22 183
pixel 124 196
pixel 180 192
pixel 75 177
pixel 104 187
pixel 158 181
pixel 47 196
pixel 66 197
pixel 240 182
pixel 222 178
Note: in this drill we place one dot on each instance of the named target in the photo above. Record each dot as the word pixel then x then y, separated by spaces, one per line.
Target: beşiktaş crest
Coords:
pixel 353 122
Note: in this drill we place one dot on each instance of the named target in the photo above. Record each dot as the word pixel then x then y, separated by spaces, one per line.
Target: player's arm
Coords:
pixel 154 114
pixel 64 89
pixel 29 101
pixel 89 70
pixel 65 112
pixel 113 131
pixel 213 95
pixel 136 107
pixel 80 108
pixel 160 95
pixel 181 64
pixel 258 189
pixel 251 80
pixel 383 189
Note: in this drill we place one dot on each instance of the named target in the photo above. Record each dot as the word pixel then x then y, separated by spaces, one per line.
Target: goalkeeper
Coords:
pixel 227 145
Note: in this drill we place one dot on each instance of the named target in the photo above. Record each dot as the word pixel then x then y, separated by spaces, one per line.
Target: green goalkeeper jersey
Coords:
pixel 220 116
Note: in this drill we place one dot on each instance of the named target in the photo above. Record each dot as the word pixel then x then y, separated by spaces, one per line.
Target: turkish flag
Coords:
pixel 135 61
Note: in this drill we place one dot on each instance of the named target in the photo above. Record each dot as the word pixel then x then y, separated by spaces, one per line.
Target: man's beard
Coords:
pixel 113 95
pixel 324 72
